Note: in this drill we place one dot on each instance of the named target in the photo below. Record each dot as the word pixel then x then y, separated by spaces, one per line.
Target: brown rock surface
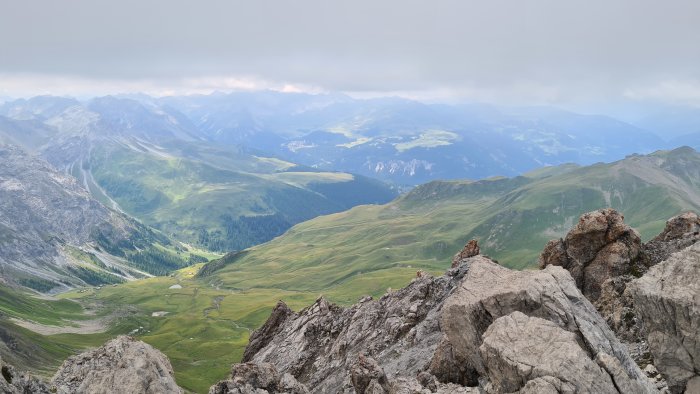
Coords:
pixel 680 232
pixel 471 249
pixel 600 246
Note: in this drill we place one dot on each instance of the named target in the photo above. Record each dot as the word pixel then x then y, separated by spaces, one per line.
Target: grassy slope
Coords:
pixel 371 248
pixel 183 196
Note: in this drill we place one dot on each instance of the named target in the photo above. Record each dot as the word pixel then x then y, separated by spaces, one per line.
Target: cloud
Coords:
pixel 507 50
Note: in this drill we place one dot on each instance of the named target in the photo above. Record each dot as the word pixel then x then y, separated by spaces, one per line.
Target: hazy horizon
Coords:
pixel 588 55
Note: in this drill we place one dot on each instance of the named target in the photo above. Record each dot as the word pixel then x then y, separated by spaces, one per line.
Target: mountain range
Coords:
pixel 302 194
pixel 151 163
pixel 201 316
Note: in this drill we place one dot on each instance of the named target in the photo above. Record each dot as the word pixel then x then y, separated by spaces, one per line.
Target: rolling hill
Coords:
pixel 203 323
pixel 512 218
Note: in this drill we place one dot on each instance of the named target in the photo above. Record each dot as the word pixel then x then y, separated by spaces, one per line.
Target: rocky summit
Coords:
pixel 122 365
pixel 484 328
pixel 650 304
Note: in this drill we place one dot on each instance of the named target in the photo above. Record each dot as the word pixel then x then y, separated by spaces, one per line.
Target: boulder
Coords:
pixel 122 365
pixel 680 232
pixel 667 300
pixel 600 246
pixel 529 302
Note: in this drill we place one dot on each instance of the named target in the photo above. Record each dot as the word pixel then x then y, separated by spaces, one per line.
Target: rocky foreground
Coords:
pixel 602 307
pixel 122 365
pixel 604 314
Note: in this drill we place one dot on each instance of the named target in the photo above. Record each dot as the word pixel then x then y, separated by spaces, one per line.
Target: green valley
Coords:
pixel 219 200
pixel 201 316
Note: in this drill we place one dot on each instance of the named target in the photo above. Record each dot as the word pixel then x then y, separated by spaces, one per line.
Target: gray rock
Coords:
pixel 262 378
pixel 320 344
pixel 667 299
pixel 518 348
pixel 122 365
pixel 444 334
pixel 680 232
pixel 15 382
pixel 489 291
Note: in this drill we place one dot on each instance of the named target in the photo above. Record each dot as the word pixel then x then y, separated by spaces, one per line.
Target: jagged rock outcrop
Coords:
pixel 656 313
pixel 471 249
pixel 599 247
pixel 491 298
pixel 667 300
pixel 251 378
pixel 122 365
pixel 680 232
pixel 480 324
pixel 14 382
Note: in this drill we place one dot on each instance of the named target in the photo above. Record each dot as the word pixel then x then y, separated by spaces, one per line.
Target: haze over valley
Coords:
pixel 371 197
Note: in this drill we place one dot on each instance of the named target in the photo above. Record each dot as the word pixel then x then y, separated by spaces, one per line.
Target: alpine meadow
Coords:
pixel 370 197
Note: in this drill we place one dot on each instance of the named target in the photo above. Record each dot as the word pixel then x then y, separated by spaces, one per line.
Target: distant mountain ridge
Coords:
pixel 149 161
pixel 409 142
pixel 513 218
pixel 402 141
pixel 54 235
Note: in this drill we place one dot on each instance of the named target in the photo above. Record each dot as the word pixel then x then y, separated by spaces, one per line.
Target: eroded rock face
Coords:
pixel 680 232
pixel 599 247
pixel 122 365
pixel 522 302
pixel 478 325
pixel 471 249
pixel 258 379
pixel 667 299
pixel 15 382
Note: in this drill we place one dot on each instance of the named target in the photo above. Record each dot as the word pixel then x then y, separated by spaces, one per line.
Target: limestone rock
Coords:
pixel 489 292
pixel 518 348
pixel 263 378
pixel 667 299
pixel 471 249
pixel 321 345
pixel 15 382
pixel 680 232
pixel 444 335
pixel 368 377
pixel 599 247
pixel 122 365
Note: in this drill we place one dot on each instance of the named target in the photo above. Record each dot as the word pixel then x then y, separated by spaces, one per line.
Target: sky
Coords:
pixel 499 51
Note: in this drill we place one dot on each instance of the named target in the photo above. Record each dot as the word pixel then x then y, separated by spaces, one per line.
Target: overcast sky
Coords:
pixel 492 50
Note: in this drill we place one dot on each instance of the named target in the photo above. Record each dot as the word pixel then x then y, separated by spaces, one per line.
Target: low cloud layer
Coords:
pixel 496 50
